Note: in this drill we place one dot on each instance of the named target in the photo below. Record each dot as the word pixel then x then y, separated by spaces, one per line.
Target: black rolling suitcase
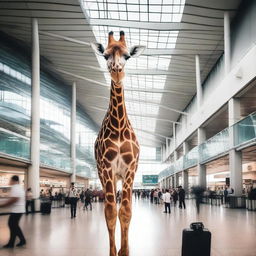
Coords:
pixel 196 240
pixel 46 207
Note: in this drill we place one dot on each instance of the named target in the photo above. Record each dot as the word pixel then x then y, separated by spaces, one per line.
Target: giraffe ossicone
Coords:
pixel 116 147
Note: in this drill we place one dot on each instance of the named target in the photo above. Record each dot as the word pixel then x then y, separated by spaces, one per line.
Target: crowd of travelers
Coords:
pixel 82 197
pixel 163 196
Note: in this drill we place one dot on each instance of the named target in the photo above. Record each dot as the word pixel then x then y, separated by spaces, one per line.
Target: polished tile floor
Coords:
pixel 152 232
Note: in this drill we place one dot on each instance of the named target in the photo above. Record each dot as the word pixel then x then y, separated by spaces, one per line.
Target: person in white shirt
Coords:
pixel 17 203
pixel 73 198
pixel 167 201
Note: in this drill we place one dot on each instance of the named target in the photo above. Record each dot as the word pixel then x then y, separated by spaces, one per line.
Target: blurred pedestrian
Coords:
pixel 88 199
pixel 17 203
pixel 181 195
pixel 175 196
pixel 198 193
pixel 167 201
pixel 30 201
pixel 73 198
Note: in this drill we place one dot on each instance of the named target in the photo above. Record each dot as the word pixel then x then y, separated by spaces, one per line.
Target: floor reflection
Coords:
pixel 152 232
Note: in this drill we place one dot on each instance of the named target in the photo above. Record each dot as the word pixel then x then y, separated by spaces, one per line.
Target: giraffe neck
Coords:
pixel 117 104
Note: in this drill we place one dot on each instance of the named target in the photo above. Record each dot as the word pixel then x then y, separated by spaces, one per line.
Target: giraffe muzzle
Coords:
pixel 117 70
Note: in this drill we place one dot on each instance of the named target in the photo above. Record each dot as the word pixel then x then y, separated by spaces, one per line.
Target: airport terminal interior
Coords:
pixel 127 127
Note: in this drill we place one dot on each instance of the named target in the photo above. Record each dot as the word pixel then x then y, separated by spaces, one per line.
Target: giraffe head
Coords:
pixel 116 55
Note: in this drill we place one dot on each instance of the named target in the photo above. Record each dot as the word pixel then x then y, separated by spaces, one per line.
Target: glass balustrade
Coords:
pixel 14 145
pixel 191 158
pixel 245 130
pixel 214 146
pixel 179 164
pixel 56 160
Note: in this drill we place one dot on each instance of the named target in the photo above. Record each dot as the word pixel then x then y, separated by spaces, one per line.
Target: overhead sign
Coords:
pixel 149 179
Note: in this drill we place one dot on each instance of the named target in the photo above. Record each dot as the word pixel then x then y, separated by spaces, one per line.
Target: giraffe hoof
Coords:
pixel 123 252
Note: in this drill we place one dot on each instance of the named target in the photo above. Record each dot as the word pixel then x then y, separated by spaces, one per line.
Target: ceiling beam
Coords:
pixel 138 71
pixel 163 26
pixel 138 115
pixel 127 89
pixel 141 101
pixel 152 133
pixel 147 52
pixel 65 38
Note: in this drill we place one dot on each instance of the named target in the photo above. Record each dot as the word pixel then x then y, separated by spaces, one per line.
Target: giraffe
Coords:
pixel 116 147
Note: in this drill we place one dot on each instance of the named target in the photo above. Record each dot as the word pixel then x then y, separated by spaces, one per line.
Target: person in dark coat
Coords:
pixel 174 197
pixel 88 199
pixel 181 194
pixel 198 193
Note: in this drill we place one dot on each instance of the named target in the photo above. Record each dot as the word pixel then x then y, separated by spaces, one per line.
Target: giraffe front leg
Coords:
pixel 125 215
pixel 110 216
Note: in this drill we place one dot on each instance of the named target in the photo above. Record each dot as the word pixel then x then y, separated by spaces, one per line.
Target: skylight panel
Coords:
pixel 112 7
pixel 141 108
pixel 123 15
pixel 154 17
pixel 155 8
pixel 122 7
pixel 114 15
pixel 156 11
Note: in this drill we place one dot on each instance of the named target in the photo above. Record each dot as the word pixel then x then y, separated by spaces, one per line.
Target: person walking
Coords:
pixel 198 193
pixel 73 197
pixel 88 199
pixel 155 196
pixel 225 195
pixel 181 194
pixel 152 196
pixel 175 197
pixel 30 201
pixel 17 203
pixel 167 201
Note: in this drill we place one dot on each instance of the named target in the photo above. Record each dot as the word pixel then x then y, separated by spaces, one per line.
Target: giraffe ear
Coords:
pixel 98 48
pixel 137 50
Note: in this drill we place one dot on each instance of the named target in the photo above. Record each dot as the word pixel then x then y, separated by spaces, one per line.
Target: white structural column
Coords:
pixel 164 153
pixel 185 172
pixel 172 181
pixel 167 147
pixel 185 147
pixel 34 168
pixel 176 180
pixel 235 157
pixel 73 133
pixel 185 180
pixel 227 47
pixel 199 93
pixel 201 136
pixel 174 142
pixel 174 135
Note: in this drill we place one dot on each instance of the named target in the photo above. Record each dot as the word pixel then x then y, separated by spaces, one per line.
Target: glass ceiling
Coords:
pixel 134 10
pixel 139 104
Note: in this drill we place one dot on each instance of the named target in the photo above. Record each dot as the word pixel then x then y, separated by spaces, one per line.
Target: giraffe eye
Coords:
pixel 106 56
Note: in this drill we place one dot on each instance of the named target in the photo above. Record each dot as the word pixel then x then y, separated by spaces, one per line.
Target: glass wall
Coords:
pixel 15 100
pixel 85 139
pixel 245 130
pixel 215 146
pixel 55 113
pixel 244 133
pixel 55 105
pixel 191 158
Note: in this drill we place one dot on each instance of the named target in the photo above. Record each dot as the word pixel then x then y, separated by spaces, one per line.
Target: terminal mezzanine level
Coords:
pixel 223 94
pixel 216 147
pixel 55 115
pixel 233 74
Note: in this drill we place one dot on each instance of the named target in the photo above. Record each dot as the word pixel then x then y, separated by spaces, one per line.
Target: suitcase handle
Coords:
pixel 197 226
